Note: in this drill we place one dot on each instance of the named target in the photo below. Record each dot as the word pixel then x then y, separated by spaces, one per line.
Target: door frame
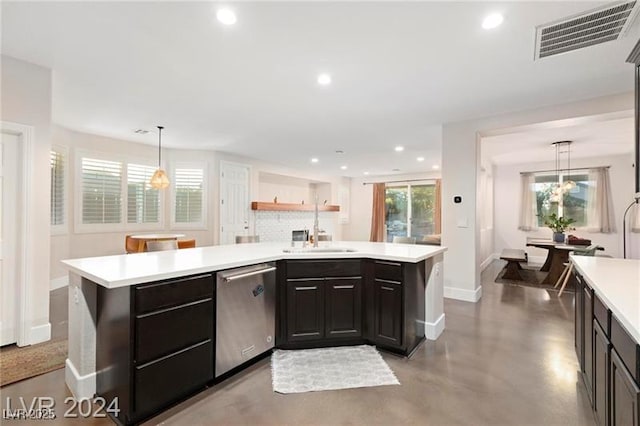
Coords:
pixel 220 192
pixel 25 259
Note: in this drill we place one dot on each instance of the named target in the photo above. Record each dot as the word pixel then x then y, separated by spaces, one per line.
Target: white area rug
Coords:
pixel 321 369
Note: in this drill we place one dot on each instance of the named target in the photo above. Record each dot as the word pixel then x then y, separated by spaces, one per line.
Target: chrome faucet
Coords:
pixel 315 224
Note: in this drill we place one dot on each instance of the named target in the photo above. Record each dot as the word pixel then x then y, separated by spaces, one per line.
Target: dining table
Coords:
pixel 557 257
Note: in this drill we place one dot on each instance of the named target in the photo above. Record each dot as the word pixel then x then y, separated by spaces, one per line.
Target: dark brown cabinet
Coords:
pixel 323 302
pixel 601 353
pixel 351 302
pixel 155 343
pixel 343 307
pixel 388 312
pixel 624 395
pixel 579 321
pixel 610 360
pixel 305 309
pixel 587 322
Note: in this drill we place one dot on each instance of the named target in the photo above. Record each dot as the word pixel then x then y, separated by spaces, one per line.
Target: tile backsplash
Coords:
pixel 277 226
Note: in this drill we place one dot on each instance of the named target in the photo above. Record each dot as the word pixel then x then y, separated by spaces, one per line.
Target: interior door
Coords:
pixel 8 229
pixel 234 201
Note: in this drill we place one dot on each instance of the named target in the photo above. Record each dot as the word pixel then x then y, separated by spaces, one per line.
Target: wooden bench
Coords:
pixel 513 258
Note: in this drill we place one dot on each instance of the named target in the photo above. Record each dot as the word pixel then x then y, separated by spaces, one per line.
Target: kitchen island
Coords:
pixel 139 318
pixel 607 336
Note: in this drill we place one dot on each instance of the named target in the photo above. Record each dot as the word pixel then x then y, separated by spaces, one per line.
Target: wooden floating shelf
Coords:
pixel 280 207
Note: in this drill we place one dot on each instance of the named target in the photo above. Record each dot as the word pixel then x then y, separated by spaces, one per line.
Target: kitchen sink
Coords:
pixel 318 250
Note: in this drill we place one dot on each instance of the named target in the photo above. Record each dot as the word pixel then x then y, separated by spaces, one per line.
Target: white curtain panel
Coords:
pixel 599 205
pixel 528 204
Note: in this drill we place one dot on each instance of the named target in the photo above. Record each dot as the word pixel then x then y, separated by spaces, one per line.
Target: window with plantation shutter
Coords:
pixel 57 162
pixel 188 190
pixel 101 191
pixel 143 202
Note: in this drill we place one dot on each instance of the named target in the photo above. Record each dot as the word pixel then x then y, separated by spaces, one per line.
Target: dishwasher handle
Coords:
pixel 230 278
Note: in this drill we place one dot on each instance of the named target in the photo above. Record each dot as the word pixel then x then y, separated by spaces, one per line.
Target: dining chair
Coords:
pixel 568 268
pixel 183 244
pixel 243 239
pixel 162 245
pixel 404 240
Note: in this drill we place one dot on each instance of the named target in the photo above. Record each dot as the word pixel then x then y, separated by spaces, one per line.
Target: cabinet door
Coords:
pixel 579 321
pixel 624 396
pixel 388 312
pixel 601 351
pixel 305 309
pixel 343 307
pixel 588 341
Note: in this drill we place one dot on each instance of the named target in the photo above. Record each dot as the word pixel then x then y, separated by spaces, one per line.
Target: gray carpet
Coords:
pixel 321 369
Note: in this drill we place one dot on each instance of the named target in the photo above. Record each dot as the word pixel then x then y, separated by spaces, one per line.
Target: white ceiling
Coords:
pixel 589 140
pixel 399 71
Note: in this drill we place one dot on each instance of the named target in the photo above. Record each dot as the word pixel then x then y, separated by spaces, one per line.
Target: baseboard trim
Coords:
pixel 82 387
pixel 40 333
pixel 57 283
pixel 462 294
pixel 488 260
pixel 433 330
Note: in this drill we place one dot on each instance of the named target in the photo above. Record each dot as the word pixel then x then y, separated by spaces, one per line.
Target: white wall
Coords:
pixel 460 176
pixel 359 227
pixel 26 99
pixel 507 204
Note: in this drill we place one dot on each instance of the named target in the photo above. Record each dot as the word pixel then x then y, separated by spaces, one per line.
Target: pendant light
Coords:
pixel 568 183
pixel 159 180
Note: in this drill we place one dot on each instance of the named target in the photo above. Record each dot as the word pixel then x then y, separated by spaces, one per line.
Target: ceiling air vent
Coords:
pixel 589 28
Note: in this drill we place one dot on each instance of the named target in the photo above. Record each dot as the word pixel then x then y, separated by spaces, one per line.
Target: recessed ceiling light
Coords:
pixel 343 167
pixel 420 158
pixel 492 21
pixel 366 173
pixel 435 167
pixel 314 160
pixel 395 170
pixel 324 79
pixel 226 16
pixel 399 148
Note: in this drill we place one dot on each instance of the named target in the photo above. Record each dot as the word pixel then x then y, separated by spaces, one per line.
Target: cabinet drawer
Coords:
pixel 149 297
pixel 625 346
pixel 173 377
pixel 323 268
pixel 602 315
pixel 162 332
pixel 388 270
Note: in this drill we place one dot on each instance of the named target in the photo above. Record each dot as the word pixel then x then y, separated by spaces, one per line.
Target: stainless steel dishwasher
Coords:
pixel 245 314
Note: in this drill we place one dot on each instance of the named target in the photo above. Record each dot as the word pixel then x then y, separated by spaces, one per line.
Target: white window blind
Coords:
pixel 143 202
pixel 189 183
pixel 101 191
pixel 57 162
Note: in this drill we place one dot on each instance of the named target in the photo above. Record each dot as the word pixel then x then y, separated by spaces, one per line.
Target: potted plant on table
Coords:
pixel 558 225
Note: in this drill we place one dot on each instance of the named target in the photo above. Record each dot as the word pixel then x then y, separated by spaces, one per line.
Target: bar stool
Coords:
pixel 568 267
pixel 243 239
pixel 162 245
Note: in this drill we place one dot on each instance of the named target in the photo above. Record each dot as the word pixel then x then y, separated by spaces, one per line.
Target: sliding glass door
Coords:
pixel 410 210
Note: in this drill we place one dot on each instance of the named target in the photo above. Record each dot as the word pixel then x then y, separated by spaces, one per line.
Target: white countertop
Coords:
pixel 127 269
pixel 617 284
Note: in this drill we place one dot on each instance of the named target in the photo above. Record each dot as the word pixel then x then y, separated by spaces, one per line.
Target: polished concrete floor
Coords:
pixel 507 360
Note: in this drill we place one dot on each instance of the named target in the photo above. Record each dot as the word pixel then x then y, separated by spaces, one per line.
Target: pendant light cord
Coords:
pixel 160 146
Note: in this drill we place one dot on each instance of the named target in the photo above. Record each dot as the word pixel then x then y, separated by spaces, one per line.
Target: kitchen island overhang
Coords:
pixel 90 277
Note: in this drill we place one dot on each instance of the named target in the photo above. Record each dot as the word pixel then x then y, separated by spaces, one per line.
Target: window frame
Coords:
pixel 202 225
pixel 561 179
pixel 408 185
pixel 123 225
